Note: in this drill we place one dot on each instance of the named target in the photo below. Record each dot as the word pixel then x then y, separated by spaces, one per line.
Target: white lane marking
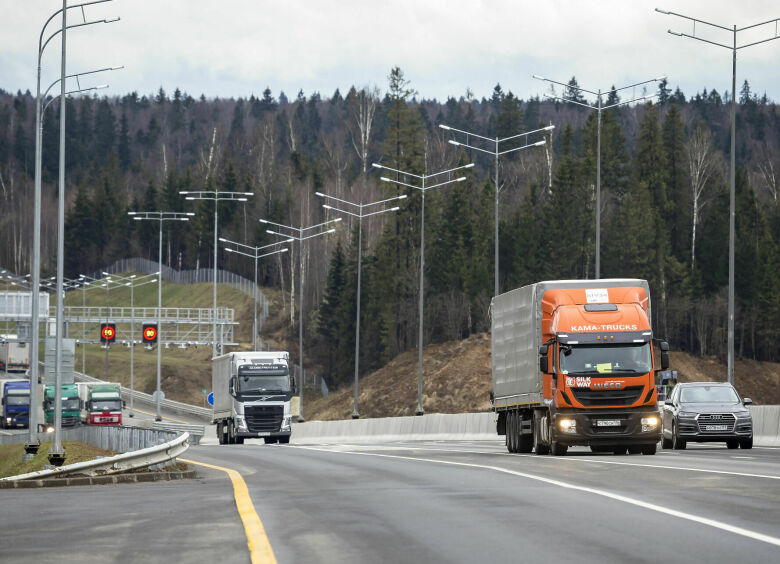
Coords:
pixel 580 459
pixel 617 497
pixel 744 457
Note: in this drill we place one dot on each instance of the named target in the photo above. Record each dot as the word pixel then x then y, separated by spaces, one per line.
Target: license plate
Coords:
pixel 264 434
pixel 716 427
pixel 608 423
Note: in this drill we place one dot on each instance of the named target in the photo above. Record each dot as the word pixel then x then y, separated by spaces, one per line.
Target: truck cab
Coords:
pixel 103 405
pixel 16 404
pixel 71 405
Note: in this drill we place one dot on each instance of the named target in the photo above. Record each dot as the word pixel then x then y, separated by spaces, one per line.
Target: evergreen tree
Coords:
pixel 124 144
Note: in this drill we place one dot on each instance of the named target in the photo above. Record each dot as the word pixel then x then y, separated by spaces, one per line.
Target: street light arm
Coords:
pixel 460 179
pixel 386 179
pixel 268 221
pixel 681 34
pixel 695 20
pixel 637 84
pixel 537 144
pixel 578 88
pixel 546 128
pixel 319 224
pixel 401 197
pixel 757 42
pixel 381 211
pixel 759 24
pixel 457 144
pixel 337 199
pixel 375 165
pixel 570 101
pixel 284 250
pixel 53 35
pixel 318 234
pixel 448 128
pixel 629 101
pixel 470 165
pixel 54 15
pixel 327 207
pixel 43 111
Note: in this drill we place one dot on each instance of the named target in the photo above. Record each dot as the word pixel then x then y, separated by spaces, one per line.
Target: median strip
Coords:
pixel 259 547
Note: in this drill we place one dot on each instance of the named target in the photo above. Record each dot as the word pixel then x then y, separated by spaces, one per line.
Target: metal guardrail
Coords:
pixel 132 460
pixel 179 427
pixel 147 399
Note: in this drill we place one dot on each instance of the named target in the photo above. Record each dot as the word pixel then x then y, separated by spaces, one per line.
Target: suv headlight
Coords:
pixel 743 414
pixel 686 415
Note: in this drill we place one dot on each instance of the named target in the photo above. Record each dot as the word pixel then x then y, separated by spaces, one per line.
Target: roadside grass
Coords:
pixel 11 457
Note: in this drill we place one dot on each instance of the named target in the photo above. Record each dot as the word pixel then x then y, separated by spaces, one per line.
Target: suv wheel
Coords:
pixel 677 443
pixel 732 443
pixel 746 443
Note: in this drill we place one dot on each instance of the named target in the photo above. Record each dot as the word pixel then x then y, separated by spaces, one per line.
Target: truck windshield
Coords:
pixel 70 404
pixel 606 359
pixel 106 405
pixel 277 382
pixel 708 394
pixel 18 399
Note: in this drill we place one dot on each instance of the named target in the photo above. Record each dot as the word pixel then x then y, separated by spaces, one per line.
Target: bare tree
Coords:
pixel 702 162
pixel 362 114
pixel 769 174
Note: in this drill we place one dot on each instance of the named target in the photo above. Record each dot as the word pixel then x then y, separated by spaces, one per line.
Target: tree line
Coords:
pixel 664 216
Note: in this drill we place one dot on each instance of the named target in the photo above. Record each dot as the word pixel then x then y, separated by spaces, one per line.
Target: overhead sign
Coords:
pixel 107 333
pixel 150 333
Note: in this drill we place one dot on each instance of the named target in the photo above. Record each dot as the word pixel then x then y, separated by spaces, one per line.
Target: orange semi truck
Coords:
pixel 573 365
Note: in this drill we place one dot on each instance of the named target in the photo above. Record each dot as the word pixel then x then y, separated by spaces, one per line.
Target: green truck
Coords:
pixel 71 405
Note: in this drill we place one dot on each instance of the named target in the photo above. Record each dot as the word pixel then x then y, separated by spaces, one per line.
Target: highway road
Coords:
pixel 418 502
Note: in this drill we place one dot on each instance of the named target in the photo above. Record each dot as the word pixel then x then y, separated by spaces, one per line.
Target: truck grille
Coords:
pixel 71 421
pixel 607 398
pixel 263 417
pixel 709 419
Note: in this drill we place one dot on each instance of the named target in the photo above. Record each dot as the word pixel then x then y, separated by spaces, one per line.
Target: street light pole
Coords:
pixel 734 30
pixel 159 216
pixel 300 238
pixel 495 153
pixel 217 197
pixel 360 215
pixel 422 188
pixel 255 255
pixel 598 107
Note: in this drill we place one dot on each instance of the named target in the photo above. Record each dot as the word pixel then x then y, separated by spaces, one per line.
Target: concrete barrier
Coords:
pixel 466 427
pixel 433 427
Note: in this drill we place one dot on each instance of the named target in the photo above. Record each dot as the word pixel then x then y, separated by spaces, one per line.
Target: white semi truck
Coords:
pixel 252 393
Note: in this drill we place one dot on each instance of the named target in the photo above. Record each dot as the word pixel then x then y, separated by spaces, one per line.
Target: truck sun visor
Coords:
pixel 601 307
pixel 604 336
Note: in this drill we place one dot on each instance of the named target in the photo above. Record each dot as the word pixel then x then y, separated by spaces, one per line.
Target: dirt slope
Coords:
pixel 456 379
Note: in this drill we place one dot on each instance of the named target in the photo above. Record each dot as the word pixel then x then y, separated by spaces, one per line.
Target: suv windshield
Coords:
pixel 609 359
pixel 708 394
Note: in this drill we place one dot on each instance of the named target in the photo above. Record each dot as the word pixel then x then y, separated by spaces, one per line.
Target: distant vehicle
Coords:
pixel 706 412
pixel 101 403
pixel 71 405
pixel 14 356
pixel 15 403
pixel 573 365
pixel 252 393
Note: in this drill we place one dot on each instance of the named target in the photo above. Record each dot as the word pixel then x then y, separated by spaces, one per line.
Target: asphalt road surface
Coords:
pixel 418 502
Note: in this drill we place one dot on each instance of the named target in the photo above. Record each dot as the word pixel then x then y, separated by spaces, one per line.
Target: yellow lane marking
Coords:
pixel 259 548
pixel 154 415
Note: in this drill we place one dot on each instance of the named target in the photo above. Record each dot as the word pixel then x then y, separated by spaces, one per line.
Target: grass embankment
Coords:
pixel 184 372
pixel 11 457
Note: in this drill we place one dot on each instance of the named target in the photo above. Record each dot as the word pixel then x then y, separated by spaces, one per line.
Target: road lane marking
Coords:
pixel 617 497
pixel 155 415
pixel 259 548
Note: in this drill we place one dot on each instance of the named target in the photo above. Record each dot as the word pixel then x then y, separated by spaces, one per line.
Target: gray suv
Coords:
pixel 703 412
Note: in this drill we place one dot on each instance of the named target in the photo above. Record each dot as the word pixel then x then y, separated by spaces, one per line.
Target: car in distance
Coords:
pixel 705 412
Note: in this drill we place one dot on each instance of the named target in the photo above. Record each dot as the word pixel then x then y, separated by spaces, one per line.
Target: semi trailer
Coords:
pixel 573 365
pixel 252 393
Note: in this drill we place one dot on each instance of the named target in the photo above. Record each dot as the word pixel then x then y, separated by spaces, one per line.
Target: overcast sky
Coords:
pixel 232 48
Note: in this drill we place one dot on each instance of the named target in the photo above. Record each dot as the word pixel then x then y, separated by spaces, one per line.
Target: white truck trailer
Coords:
pixel 14 356
pixel 252 393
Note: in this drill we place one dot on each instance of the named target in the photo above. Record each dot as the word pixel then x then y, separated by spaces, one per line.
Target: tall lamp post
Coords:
pixel 300 237
pixel 422 188
pixel 133 284
pixel 360 215
pixel 56 453
pixel 496 153
pixel 216 196
pixel 160 216
pixel 599 108
pixel 255 255
pixel 734 30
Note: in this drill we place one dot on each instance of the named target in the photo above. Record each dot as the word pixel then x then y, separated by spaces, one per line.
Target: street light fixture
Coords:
pixel 360 215
pixel 56 453
pixel 734 30
pixel 599 108
pixel 216 196
pixel 159 216
pixel 300 238
pixel 422 188
pixel 495 152
pixel 255 255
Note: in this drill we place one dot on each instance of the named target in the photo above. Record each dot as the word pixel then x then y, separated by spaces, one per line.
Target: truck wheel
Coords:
pixel 666 443
pixel 220 434
pixel 284 440
pixel 732 444
pixel 634 450
pixel 526 439
pixel 746 443
pixel 269 440
pixel 511 424
pixel 239 440
pixel 231 435
pixel 620 450
pixel 539 447
pixel 649 449
pixel 557 449
pixel 677 443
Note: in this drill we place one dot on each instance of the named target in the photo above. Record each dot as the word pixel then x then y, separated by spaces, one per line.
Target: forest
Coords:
pixel 664 203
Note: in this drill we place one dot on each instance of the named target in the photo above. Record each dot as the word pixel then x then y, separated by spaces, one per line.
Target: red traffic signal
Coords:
pixel 149 334
pixel 107 333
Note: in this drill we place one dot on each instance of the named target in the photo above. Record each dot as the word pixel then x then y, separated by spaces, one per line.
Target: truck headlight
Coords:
pixel 7 419
pixel 567 425
pixel 286 423
pixel 240 422
pixel 649 423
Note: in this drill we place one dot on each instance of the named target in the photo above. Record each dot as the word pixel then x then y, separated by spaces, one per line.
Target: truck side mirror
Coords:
pixel 232 386
pixel 294 386
pixel 543 364
pixel 663 346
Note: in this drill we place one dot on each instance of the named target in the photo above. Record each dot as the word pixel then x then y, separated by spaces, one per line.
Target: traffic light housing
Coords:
pixel 107 333
pixel 149 333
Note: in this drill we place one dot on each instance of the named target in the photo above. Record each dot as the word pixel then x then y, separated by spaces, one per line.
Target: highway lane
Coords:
pixel 467 502
pixel 418 501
